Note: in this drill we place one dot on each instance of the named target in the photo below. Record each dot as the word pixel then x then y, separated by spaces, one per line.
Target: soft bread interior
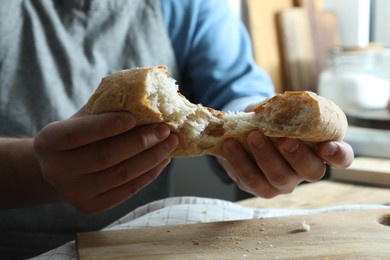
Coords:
pixel 177 111
pixel 201 125
pixel 162 92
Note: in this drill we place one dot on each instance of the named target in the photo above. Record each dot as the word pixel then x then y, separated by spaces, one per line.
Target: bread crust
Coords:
pixel 125 91
pixel 201 130
pixel 328 122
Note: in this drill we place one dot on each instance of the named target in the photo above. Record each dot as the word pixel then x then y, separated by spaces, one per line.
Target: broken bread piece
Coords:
pixel 152 96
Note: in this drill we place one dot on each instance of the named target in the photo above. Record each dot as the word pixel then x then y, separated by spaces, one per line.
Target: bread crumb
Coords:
pixel 305 226
pixel 195 242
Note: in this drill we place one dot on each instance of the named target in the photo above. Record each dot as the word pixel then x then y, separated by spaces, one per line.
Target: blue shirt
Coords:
pixel 213 49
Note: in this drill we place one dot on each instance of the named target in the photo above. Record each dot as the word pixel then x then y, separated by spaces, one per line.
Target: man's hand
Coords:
pixel 95 162
pixel 277 166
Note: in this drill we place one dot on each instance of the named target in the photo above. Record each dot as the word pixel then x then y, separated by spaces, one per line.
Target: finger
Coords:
pixel 244 171
pixel 275 168
pixel 109 152
pixel 115 196
pixel 302 159
pixel 79 131
pixel 133 167
pixel 337 154
pixel 89 185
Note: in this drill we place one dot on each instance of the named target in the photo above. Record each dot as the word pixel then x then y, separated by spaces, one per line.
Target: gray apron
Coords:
pixel 53 55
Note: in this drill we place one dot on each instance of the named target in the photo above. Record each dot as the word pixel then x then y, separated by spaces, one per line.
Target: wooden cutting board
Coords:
pixel 298 54
pixel 337 235
pixel 324 30
pixel 261 22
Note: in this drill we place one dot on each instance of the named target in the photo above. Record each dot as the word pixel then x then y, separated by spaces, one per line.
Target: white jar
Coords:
pixel 355 78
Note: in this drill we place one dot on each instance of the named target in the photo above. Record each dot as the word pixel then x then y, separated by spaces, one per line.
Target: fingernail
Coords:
pixel 331 149
pixel 161 131
pixel 257 139
pixel 290 145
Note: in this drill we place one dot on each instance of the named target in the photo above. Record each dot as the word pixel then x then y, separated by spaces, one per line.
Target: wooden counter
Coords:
pixel 323 194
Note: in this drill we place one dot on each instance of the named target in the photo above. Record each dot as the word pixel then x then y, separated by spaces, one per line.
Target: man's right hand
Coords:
pixel 97 161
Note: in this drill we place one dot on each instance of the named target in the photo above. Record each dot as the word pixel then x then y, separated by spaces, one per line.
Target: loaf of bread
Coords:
pixel 152 96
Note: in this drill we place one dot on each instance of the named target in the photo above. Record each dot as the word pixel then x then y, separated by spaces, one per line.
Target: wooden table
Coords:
pixel 323 194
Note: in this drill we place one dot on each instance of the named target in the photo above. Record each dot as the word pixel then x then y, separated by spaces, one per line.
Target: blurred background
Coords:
pixel 338 49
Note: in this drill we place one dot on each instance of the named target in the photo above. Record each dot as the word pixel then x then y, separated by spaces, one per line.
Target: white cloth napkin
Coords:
pixel 190 210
